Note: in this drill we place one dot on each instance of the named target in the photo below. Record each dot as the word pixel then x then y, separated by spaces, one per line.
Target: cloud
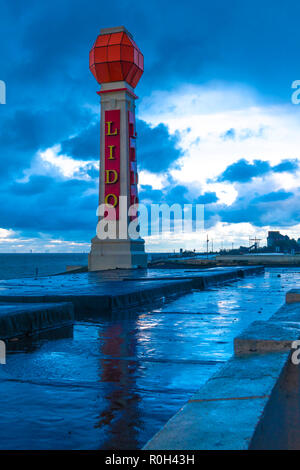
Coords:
pixel 85 145
pixel 286 165
pixel 243 171
pixel 274 196
pixel 242 128
pixel 157 148
pixel 273 209
pixel 190 45
pixel 148 194
pixel 230 134
pixel 62 208
pixel 242 134
pixel 53 163
pixel 37 184
pixel 207 198
pixel 172 194
pixel 24 133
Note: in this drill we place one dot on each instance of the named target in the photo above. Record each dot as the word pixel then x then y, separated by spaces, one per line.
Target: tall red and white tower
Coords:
pixel 117 64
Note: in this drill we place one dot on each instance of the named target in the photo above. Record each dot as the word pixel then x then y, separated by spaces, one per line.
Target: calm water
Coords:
pixel 16 265
pixel 113 383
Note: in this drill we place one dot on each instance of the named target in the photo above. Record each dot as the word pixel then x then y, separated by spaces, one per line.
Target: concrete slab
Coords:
pixel 99 299
pixel 267 336
pixel 209 426
pixel 243 377
pixel 288 312
pixel 96 293
pixel 22 320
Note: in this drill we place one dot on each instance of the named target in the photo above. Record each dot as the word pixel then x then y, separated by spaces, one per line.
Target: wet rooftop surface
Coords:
pixel 114 382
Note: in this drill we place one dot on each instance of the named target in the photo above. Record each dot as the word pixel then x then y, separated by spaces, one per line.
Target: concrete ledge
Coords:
pixel 293 296
pixel 276 334
pixel 22 320
pixel 91 305
pixel 287 313
pixel 253 402
pixel 145 294
pixel 83 305
pixel 266 336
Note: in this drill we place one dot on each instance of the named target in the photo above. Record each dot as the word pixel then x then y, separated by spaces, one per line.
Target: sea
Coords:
pixel 19 265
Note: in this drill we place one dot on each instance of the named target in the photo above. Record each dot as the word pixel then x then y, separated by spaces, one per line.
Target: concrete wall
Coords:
pixel 265 260
pixel 253 402
pixel 279 427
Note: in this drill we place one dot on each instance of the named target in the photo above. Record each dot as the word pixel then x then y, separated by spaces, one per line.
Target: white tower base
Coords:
pixel 112 254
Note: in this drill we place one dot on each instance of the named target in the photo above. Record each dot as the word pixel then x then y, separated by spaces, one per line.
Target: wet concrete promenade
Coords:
pixel 112 382
pixel 101 292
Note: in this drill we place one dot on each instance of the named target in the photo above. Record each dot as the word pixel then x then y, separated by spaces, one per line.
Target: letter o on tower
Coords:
pixel 111 196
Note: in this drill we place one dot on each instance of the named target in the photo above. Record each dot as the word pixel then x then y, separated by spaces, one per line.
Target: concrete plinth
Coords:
pixel 118 179
pixel 17 320
pixel 122 254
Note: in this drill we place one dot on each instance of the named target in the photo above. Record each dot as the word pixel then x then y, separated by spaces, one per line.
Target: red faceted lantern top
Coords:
pixel 115 57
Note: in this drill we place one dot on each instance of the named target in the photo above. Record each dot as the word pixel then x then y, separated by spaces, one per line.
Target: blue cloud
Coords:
pixel 171 194
pixel 243 171
pixel 85 145
pixel 157 149
pixel 286 165
pixel 243 134
pixel 187 45
pixel 273 196
pixel 241 214
pixel 147 193
pixel 50 92
pixel 274 208
pixel 62 208
pixel 38 184
pixel 207 198
pixel 229 135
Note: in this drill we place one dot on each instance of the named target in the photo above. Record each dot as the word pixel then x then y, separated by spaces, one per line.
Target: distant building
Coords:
pixel 274 238
pixel 282 243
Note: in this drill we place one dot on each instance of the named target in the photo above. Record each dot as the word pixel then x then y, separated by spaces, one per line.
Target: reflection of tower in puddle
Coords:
pixel 120 418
